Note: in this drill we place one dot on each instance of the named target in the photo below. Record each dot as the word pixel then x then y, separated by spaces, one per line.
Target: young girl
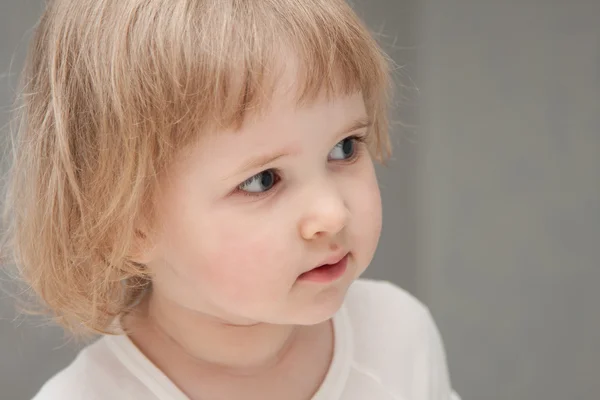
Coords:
pixel 194 180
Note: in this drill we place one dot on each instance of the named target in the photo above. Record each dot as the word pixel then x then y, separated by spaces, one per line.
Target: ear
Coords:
pixel 143 249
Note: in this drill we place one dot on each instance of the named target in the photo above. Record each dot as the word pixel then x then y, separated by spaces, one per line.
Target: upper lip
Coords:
pixel 333 259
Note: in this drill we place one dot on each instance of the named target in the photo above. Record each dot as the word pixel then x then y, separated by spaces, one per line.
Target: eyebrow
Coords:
pixel 265 159
pixel 360 123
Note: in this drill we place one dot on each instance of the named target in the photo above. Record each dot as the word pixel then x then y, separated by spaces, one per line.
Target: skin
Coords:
pixel 227 316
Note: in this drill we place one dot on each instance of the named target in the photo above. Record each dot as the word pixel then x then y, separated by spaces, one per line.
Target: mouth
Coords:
pixel 326 273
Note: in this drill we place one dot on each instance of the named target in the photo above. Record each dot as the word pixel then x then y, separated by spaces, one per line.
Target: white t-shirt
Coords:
pixel 387 347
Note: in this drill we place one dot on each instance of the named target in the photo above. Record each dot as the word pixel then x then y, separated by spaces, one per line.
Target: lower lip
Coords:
pixel 326 273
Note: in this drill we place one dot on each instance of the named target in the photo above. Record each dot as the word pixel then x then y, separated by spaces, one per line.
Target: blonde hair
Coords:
pixel 113 90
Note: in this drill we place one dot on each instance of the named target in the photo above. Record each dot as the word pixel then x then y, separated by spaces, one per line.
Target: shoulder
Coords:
pixel 90 376
pixel 396 339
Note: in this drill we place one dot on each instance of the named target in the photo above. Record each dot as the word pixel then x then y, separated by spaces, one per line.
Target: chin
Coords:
pixel 322 306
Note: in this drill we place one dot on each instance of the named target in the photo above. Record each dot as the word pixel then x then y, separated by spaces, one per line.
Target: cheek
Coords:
pixel 375 201
pixel 367 211
pixel 242 266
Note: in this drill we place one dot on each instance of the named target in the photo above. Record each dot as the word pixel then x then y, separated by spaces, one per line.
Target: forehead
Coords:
pixel 287 123
pixel 285 127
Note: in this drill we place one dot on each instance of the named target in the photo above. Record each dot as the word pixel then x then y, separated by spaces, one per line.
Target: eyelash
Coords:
pixel 358 140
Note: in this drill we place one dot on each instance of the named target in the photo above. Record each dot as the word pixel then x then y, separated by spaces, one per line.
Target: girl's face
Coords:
pixel 246 213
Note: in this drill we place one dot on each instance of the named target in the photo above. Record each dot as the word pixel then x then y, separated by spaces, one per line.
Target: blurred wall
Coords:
pixel 509 177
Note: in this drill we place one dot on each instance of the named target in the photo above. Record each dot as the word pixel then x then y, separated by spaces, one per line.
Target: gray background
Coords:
pixel 491 203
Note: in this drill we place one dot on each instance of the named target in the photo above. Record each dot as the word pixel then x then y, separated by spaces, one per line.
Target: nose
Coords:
pixel 326 214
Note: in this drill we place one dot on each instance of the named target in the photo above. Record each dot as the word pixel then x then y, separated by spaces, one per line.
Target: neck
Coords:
pixel 210 342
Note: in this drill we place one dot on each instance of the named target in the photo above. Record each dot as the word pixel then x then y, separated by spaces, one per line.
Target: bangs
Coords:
pixel 218 61
pixel 330 52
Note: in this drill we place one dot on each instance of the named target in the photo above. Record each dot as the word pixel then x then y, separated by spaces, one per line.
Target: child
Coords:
pixel 194 180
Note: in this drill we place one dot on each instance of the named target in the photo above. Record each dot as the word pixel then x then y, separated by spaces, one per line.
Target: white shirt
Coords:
pixel 387 347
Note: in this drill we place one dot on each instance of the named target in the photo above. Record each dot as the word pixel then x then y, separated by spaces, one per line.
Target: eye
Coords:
pixel 345 149
pixel 261 182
